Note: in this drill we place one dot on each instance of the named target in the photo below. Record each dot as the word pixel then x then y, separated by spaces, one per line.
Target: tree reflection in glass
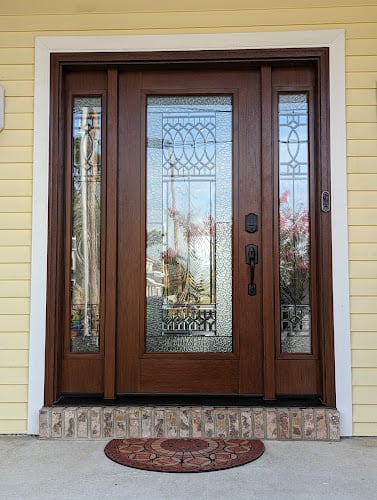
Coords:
pixel 294 228
pixel 86 217
pixel 189 224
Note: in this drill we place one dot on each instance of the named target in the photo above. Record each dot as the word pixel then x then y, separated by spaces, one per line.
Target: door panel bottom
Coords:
pixel 220 376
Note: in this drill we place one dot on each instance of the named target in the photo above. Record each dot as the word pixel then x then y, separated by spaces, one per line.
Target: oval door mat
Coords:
pixel 183 455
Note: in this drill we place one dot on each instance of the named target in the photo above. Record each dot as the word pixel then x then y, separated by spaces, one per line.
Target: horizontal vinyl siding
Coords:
pixel 13 375
pixel 15 204
pixel 364 340
pixel 365 429
pixel 13 393
pixel 279 18
pixel 16 154
pixel 360 287
pixel 11 410
pixel 14 340
pixel 362 197
pixel 21 21
pixel 13 426
pixel 15 236
pixel 71 6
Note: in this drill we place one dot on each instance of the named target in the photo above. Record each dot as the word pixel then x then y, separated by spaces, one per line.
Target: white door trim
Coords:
pixel 45 46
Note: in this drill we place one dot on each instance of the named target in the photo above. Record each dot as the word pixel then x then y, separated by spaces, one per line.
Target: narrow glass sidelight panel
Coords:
pixel 86 226
pixel 189 224
pixel 294 230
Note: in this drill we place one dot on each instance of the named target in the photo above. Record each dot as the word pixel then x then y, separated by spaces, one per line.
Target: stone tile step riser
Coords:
pixel 306 424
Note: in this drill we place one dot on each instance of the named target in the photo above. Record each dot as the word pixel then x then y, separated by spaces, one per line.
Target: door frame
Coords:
pixel 282 374
pixel 45 46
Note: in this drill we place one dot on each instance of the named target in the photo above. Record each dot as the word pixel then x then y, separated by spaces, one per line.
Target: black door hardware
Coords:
pixel 251 251
pixel 251 223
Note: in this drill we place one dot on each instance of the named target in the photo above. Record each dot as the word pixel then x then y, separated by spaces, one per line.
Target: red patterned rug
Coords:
pixel 183 455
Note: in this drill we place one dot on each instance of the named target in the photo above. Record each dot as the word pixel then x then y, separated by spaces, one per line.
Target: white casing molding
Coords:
pixel 45 46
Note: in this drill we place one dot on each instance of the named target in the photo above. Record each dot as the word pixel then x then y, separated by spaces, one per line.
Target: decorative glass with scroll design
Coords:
pixel 189 224
pixel 294 237
pixel 86 227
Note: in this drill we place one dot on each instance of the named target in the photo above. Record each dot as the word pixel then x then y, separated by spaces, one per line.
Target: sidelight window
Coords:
pixel 294 223
pixel 85 225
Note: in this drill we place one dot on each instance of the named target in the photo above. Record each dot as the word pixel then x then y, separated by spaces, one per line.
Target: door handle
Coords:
pixel 251 252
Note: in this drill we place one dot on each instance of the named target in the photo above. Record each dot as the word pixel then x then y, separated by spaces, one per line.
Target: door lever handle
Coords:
pixel 251 254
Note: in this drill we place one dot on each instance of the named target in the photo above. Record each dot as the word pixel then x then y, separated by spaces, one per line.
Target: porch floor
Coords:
pixel 33 469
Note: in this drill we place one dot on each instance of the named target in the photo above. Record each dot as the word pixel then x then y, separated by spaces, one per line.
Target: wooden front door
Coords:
pixel 188 177
pixel 190 233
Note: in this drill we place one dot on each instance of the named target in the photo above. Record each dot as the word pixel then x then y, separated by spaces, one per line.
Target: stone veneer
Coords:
pixel 103 422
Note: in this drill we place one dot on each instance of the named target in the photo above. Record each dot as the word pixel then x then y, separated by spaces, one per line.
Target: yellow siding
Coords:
pixel 16 187
pixel 21 21
pixel 17 154
pixel 363 251
pixel 14 272
pixel 361 114
pixel 71 6
pixel 361 131
pixel 361 80
pixel 14 254
pixel 365 305
pixel 18 105
pixel 13 426
pixel 361 166
pixel 17 138
pixel 14 340
pixel 15 221
pixel 15 237
pixel 365 395
pixel 364 340
pixel 365 429
pixel 362 148
pixel 363 269
pixel 14 376
pixel 13 358
pixel 16 204
pixel 363 323
pixel 17 411
pixel 13 393
pixel 19 121
pixel 12 305
pixel 362 197
pixel 364 182
pixel 14 322
pixel 364 359
pixel 13 72
pixel 362 217
pixel 361 63
pixel 361 287
pixel 365 413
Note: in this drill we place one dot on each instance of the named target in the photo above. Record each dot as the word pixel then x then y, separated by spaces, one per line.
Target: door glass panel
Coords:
pixel 294 230
pixel 189 224
pixel 86 227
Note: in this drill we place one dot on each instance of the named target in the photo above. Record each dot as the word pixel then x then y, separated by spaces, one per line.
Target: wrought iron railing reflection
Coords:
pixel 85 327
pixel 295 319
pixel 295 328
pixel 189 320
